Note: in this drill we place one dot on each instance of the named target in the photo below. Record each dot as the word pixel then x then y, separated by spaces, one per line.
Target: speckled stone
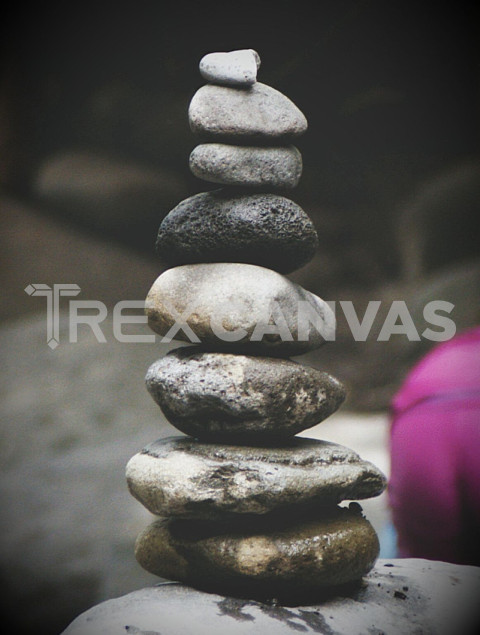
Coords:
pixel 235 398
pixel 247 165
pixel 238 307
pixel 398 597
pixel 262 229
pixel 259 112
pixel 235 68
pixel 182 477
pixel 261 556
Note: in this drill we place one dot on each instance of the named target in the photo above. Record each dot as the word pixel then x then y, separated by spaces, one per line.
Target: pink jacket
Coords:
pixel 434 488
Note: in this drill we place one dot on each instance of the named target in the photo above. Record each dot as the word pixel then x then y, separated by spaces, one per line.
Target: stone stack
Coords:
pixel 247 507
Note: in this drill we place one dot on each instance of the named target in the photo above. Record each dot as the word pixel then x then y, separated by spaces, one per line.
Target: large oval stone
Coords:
pixel 238 307
pixel 262 229
pixel 261 557
pixel 182 477
pixel 235 398
pixel 258 112
pixel 247 165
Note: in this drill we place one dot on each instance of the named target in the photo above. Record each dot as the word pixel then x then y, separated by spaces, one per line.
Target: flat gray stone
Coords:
pixel 259 112
pixel 225 397
pixel 247 165
pixel 261 229
pixel 398 597
pixel 238 307
pixel 182 477
pixel 262 558
pixel 235 68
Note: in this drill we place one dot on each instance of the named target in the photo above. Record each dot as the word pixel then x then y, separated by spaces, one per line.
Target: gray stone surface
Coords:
pixel 258 112
pixel 225 397
pixel 235 68
pixel 182 477
pixel 238 307
pixel 398 597
pixel 262 229
pixel 247 165
pixel 262 558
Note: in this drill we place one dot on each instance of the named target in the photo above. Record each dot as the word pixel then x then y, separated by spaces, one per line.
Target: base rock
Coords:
pixel 398 597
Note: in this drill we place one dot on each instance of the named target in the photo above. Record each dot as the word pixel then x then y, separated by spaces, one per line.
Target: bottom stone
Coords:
pixel 398 597
pixel 262 557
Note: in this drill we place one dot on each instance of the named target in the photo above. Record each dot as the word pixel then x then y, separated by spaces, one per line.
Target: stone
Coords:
pixel 247 165
pixel 235 398
pixel 259 112
pixel 396 597
pixel 182 477
pixel 230 306
pixel 235 68
pixel 262 229
pixel 263 558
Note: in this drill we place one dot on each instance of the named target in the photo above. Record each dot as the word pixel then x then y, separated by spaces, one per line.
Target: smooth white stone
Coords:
pixel 236 68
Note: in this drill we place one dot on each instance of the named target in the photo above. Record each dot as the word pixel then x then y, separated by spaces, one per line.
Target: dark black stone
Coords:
pixel 262 229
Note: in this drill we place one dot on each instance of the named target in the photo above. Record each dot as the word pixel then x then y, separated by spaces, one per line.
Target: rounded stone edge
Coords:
pixel 218 426
pixel 172 251
pixel 200 324
pixel 248 78
pixel 211 132
pixel 180 477
pixel 285 173
pixel 261 560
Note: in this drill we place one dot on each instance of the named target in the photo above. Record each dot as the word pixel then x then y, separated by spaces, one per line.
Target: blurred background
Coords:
pixel 94 145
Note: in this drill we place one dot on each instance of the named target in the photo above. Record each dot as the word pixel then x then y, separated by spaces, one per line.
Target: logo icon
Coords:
pixel 53 306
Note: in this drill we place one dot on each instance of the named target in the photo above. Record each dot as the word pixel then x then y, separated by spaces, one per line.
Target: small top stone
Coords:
pixel 236 68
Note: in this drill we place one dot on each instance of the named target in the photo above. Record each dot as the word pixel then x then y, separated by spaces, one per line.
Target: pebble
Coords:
pixel 235 398
pixel 259 112
pixel 235 68
pixel 240 307
pixel 261 557
pixel 247 166
pixel 263 229
pixel 182 477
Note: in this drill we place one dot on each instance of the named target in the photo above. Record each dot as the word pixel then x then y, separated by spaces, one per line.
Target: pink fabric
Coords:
pixel 434 488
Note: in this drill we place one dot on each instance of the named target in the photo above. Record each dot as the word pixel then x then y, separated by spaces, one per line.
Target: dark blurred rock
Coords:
pixel 373 370
pixel 438 224
pixel 121 199
pixel 36 248
pixel 147 126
